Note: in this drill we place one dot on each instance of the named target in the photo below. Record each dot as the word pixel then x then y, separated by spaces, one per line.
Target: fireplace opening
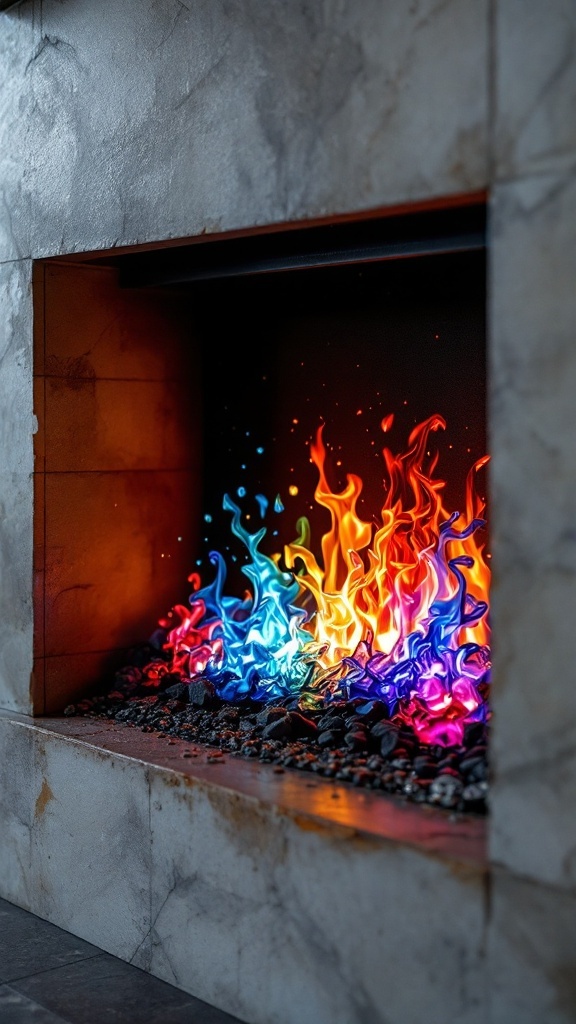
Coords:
pixel 311 554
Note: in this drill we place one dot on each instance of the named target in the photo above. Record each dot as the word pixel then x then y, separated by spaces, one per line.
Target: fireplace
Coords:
pixel 196 399
pixel 141 146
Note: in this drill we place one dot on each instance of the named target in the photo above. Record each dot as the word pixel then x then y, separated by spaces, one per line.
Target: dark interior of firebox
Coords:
pixel 341 325
pixel 345 347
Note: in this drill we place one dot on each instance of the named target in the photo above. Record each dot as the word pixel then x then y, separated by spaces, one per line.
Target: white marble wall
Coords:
pixel 531 961
pixel 532 418
pixel 132 121
pixel 532 422
pixel 533 431
pixel 16 432
pixel 126 122
pixel 311 926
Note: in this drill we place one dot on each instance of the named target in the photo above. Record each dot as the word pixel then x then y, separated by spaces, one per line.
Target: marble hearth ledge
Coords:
pixel 280 898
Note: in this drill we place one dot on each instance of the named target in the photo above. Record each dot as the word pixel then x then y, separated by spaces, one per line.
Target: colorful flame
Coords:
pixel 394 610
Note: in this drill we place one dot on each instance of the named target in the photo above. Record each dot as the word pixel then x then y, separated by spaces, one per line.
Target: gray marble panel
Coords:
pixel 531 953
pixel 532 419
pixel 152 121
pixel 15 591
pixel 535 96
pixel 19 34
pixel 16 432
pixel 280 919
pixel 16 423
pixel 16 813
pixel 91 845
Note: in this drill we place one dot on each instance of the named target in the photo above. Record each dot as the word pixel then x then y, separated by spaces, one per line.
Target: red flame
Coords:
pixel 380 581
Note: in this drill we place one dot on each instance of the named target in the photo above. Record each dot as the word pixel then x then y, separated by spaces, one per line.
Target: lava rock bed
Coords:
pixel 352 741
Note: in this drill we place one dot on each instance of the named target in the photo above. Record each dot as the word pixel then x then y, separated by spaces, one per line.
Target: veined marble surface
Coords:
pixel 532 417
pixel 139 121
pixel 535 87
pixel 16 432
pixel 252 896
pixel 531 952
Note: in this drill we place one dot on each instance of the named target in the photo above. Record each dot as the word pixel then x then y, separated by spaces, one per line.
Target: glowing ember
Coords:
pixel 394 610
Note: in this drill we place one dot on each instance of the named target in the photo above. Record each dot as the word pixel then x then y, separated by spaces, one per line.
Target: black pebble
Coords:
pixel 329 738
pixel 356 740
pixel 278 728
pixel 373 711
pixel 270 714
pixel 202 693
pixel 302 726
pixel 178 692
pixel 388 740
pixel 425 767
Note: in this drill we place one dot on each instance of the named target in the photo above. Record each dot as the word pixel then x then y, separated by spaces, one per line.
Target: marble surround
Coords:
pixel 133 122
pixel 253 891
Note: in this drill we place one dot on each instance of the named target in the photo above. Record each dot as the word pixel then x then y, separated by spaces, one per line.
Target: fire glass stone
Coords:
pixel 446 790
pixel 425 767
pixel 279 728
pixel 388 739
pixel 201 693
pixel 356 740
pixel 178 692
pixel 332 721
pixel 373 711
pixel 303 726
pixel 270 714
pixel 329 738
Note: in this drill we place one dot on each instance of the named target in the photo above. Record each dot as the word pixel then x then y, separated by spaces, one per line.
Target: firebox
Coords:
pixel 243 435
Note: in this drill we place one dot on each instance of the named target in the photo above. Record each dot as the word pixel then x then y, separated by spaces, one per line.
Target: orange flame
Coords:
pixel 376 583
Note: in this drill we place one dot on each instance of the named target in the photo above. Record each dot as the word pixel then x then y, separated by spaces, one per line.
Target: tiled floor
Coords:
pixel 48 976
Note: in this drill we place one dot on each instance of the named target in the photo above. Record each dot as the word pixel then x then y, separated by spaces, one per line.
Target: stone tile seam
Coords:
pixel 15 261
pixel 536 173
pixel 202 232
pixel 498 868
pixel 518 771
pixel 47 970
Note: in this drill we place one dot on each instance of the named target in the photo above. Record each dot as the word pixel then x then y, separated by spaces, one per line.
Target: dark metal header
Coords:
pixel 458 229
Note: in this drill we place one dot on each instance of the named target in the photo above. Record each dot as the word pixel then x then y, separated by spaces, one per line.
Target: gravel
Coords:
pixel 352 741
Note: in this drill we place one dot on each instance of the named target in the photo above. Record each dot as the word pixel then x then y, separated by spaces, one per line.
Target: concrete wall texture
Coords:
pixel 132 121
